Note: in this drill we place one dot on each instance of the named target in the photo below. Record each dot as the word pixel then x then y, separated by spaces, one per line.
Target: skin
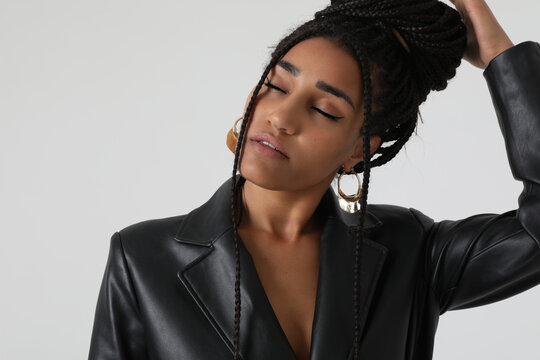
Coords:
pixel 485 37
pixel 317 146
pixel 280 195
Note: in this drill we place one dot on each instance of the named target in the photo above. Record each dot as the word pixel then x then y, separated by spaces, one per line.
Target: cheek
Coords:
pixel 327 148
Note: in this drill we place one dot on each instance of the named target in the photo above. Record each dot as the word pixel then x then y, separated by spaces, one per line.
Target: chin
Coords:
pixel 266 179
pixel 280 181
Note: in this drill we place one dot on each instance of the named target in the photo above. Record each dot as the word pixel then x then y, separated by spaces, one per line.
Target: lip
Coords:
pixel 272 140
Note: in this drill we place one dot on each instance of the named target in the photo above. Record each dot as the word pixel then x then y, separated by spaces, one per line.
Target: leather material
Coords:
pixel 168 288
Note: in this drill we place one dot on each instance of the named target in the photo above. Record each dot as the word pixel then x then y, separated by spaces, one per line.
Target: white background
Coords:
pixel 114 112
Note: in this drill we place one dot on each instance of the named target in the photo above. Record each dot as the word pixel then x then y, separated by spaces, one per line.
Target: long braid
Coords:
pixel 366 80
pixel 437 39
pixel 237 154
pixel 237 157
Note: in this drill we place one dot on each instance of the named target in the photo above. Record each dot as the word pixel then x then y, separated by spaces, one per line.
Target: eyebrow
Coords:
pixel 287 66
pixel 334 91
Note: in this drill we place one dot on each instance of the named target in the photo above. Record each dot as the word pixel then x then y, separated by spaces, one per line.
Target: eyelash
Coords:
pixel 331 117
pixel 272 86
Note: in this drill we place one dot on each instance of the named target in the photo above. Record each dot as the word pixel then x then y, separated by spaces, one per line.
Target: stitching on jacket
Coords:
pixel 497 243
pixel 129 276
pixel 425 237
pixel 206 312
pixel 132 288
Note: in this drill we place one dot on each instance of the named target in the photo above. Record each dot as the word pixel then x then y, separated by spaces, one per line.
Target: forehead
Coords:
pixel 321 59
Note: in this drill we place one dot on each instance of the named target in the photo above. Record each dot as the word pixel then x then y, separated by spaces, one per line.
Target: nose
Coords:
pixel 285 118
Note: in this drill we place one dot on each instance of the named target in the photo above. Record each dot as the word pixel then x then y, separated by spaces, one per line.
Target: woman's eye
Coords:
pixel 330 116
pixel 272 86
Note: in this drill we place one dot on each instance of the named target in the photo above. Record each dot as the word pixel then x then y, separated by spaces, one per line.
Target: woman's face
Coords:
pixel 311 111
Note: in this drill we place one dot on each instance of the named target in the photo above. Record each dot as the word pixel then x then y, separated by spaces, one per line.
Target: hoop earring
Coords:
pixel 232 136
pixel 349 203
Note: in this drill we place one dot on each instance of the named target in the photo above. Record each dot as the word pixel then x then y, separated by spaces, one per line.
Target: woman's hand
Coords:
pixel 485 36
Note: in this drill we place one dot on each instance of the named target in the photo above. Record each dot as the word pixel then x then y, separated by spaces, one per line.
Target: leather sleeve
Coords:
pixel 118 332
pixel 489 257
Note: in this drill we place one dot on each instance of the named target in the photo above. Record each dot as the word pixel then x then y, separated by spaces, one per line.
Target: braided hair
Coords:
pixel 404 74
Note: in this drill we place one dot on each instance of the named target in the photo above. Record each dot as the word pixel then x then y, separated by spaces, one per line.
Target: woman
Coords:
pixel 340 95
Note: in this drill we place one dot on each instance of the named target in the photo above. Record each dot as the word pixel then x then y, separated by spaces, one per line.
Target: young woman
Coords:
pixel 271 267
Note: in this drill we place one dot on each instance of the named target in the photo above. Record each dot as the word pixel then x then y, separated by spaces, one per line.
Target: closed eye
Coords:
pixel 332 117
pixel 272 86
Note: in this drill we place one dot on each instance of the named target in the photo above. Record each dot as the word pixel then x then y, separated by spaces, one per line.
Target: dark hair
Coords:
pixel 436 39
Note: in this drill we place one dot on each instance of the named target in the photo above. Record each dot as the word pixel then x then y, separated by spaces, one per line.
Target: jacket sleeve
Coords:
pixel 489 257
pixel 118 332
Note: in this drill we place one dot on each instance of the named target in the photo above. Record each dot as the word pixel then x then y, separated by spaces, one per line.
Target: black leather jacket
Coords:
pixel 168 287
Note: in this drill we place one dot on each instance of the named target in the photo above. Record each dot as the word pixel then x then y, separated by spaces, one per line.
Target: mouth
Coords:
pixel 271 143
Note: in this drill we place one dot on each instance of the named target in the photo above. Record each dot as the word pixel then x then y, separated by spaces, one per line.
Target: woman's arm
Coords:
pixel 489 257
pixel 118 332
pixel 485 37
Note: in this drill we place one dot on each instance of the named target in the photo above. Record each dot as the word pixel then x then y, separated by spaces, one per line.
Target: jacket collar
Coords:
pixel 208 275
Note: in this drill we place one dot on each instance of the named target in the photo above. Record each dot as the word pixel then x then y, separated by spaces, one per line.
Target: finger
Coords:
pixel 460 8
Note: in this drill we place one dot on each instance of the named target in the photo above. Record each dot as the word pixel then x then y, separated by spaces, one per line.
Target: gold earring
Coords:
pixel 349 203
pixel 232 136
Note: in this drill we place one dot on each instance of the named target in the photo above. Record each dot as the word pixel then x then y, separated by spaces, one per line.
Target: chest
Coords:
pixel 289 276
pixel 397 315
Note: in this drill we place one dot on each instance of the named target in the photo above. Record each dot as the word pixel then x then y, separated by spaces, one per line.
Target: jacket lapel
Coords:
pixel 211 281
pixel 333 324
pixel 207 272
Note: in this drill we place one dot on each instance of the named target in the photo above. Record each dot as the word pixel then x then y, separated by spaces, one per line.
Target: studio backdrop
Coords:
pixel 113 112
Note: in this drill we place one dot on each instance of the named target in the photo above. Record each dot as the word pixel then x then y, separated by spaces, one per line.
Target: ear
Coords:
pixel 358 151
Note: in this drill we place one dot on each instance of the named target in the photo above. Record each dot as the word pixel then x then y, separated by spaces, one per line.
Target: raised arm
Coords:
pixel 489 257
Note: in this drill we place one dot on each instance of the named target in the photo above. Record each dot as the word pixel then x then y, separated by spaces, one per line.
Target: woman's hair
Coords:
pixel 403 77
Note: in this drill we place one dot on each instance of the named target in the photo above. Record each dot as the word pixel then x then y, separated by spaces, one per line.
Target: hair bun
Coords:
pixel 439 39
pixel 433 31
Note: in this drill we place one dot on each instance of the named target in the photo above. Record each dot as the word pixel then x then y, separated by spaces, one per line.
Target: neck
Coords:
pixel 284 215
